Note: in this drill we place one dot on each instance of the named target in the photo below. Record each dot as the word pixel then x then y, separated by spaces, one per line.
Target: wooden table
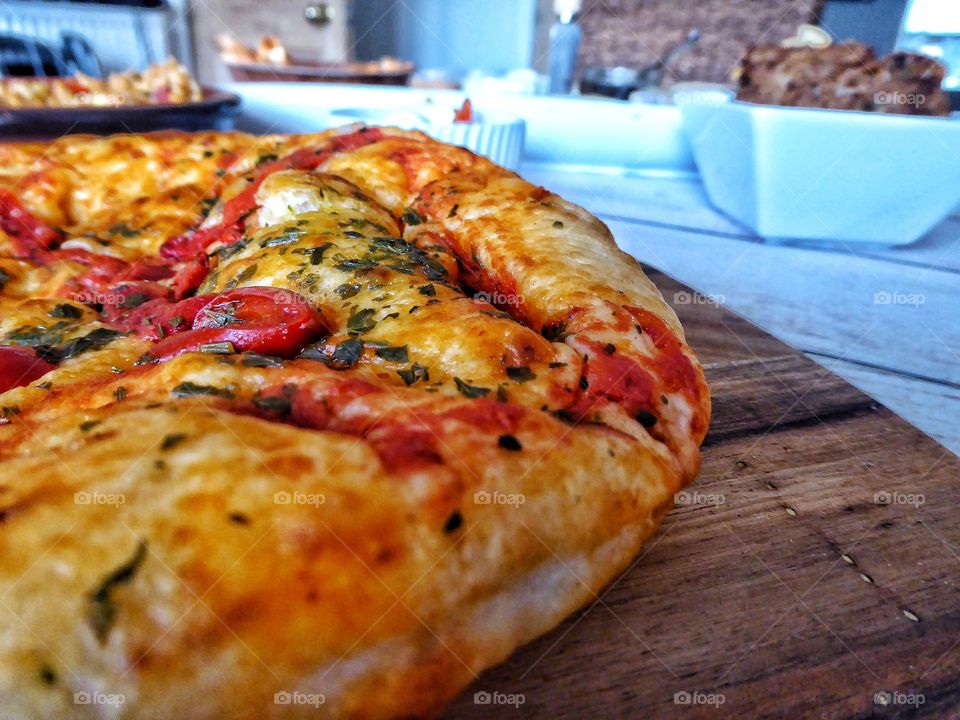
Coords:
pixel 887 320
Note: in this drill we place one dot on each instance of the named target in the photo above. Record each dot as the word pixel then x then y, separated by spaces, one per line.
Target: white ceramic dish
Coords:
pixel 826 175
pixel 495 135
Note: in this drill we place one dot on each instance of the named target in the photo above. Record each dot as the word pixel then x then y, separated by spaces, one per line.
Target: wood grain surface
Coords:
pixel 812 571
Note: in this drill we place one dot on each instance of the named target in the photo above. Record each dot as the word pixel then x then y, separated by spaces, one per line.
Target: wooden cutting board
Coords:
pixel 814 570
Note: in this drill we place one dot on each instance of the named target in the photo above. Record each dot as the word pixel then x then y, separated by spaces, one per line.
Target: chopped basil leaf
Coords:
pixel 122 230
pixel 135 300
pixel 356 264
pixel 4 278
pixel 411 217
pixel 521 374
pixel 218 348
pixel 347 353
pixel 275 404
pixel 393 354
pixel 470 391
pixel 47 675
pixel 453 522
pixel 259 361
pixel 103 608
pixel 171 441
pixel 88 425
pixel 509 442
pixel 190 389
pixel 361 321
pixel 120 393
pixel 65 310
pixel 288 236
pixel 347 290
pixel 414 374
pixel 226 315
pixel 429 290
pixel 555 331
pixel 558 223
pixel 247 273
pixel 647 419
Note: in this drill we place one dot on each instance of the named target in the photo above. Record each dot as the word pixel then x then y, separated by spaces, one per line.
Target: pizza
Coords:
pixel 312 425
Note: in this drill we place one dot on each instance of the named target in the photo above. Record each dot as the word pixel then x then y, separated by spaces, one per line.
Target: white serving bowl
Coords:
pixel 826 175
pixel 497 136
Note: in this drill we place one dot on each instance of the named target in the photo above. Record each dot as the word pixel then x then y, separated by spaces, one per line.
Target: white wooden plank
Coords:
pixel 867 310
pixel 938 248
pixel 933 408
pixel 677 201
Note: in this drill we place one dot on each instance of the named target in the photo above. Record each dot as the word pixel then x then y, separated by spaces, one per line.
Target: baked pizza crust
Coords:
pixel 235 534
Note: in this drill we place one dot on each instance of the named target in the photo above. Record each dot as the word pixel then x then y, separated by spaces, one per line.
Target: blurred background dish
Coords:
pixel 271 62
pixel 161 84
pixel 215 110
pixel 388 72
pixel 823 175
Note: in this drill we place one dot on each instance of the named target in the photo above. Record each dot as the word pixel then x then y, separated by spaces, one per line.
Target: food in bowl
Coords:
pixel 847 76
pixel 160 84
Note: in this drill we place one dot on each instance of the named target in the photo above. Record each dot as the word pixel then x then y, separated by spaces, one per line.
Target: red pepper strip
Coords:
pixel 31 237
pixel 105 269
pixel 191 276
pixel 20 366
pixel 256 319
pixel 187 247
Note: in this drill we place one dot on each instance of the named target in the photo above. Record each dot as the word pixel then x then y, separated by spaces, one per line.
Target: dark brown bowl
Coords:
pixel 215 112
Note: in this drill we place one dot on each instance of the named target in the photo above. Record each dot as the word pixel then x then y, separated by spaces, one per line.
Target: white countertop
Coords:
pixel 887 320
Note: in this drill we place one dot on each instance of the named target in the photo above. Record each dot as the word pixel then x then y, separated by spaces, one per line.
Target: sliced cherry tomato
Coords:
pixel 256 319
pixel 465 113
pixel 31 237
pixel 158 319
pixel 20 366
